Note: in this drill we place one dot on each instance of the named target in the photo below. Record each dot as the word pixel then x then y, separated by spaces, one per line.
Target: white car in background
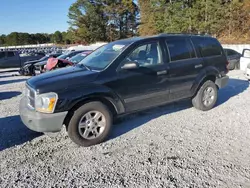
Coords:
pixel 245 63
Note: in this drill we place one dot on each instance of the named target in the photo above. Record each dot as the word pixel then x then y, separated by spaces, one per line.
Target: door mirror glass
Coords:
pixel 246 53
pixel 129 66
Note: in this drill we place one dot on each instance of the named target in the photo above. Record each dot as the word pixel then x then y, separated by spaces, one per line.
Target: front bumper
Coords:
pixel 40 122
pixel 222 82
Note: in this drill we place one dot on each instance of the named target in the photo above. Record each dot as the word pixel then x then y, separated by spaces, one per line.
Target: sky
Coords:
pixel 34 16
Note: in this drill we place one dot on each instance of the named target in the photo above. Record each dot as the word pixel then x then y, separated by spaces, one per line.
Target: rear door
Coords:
pixel 245 59
pixel 184 67
pixel 212 53
pixel 12 59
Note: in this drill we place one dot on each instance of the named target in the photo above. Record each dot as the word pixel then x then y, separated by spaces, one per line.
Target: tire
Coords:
pixel 76 133
pixel 198 100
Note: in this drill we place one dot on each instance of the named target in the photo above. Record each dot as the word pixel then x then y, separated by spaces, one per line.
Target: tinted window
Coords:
pixel 180 49
pixel 208 47
pixel 10 54
pixel 146 55
pixel 2 54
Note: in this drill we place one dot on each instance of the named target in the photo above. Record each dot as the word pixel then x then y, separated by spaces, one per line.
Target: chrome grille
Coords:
pixel 30 94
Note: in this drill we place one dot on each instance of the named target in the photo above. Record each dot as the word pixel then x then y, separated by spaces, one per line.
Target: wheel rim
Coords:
pixel 208 96
pixel 92 125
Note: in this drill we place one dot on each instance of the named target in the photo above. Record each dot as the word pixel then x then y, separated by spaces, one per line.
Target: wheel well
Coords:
pixel 105 101
pixel 209 77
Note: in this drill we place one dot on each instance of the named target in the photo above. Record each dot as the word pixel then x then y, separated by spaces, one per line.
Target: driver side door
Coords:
pixel 147 84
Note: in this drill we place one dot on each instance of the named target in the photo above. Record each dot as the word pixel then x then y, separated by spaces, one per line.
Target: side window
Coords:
pixel 146 55
pixel 180 49
pixel 209 47
pixel 2 55
pixel 10 54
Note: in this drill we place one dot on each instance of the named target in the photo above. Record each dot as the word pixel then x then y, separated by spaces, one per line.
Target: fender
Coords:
pixel 72 96
pixel 209 71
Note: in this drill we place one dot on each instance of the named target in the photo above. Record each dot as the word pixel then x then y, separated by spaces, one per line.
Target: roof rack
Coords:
pixel 191 34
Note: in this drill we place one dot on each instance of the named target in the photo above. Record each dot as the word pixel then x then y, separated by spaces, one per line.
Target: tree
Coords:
pixel 147 25
pixel 2 40
pixel 102 20
pixel 57 37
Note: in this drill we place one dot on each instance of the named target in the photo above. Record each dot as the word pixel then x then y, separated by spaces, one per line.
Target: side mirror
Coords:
pixel 130 65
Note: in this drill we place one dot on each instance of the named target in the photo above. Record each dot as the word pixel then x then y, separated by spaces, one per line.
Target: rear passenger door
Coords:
pixel 12 60
pixel 184 66
pixel 211 52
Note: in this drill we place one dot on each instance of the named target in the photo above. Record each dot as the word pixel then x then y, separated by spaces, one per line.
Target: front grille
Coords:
pixel 30 94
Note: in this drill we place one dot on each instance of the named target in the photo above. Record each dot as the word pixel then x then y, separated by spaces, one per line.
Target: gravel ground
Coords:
pixel 170 146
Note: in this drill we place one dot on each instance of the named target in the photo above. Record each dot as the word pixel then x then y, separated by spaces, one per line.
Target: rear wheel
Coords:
pixel 206 96
pixel 90 124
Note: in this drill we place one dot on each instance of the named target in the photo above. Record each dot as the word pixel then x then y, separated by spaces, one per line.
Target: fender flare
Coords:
pixel 207 73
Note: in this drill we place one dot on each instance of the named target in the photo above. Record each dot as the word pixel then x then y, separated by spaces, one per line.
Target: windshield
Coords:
pixel 77 58
pixel 103 56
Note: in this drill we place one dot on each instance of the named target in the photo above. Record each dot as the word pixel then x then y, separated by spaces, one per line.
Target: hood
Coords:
pixel 31 62
pixel 61 79
pixel 41 63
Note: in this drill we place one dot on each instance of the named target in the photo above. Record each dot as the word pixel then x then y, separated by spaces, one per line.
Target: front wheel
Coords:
pixel 206 97
pixel 90 124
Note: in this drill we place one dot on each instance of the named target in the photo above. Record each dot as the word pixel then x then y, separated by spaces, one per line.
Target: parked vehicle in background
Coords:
pixel 82 47
pixel 233 58
pixel 40 66
pixel 245 63
pixel 55 63
pixel 28 68
pixel 123 77
pixel 247 72
pixel 12 59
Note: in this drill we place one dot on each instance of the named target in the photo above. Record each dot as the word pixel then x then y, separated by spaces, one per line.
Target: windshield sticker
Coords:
pixel 118 47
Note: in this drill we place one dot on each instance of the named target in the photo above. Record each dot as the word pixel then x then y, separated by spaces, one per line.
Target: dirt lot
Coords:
pixel 170 146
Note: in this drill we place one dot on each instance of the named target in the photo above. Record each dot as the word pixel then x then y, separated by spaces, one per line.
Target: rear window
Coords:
pixel 208 47
pixel 10 54
pixel 180 49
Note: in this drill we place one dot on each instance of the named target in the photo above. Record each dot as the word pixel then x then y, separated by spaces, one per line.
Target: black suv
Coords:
pixel 123 77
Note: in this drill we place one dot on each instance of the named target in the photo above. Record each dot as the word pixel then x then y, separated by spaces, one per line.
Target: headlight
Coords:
pixel 46 102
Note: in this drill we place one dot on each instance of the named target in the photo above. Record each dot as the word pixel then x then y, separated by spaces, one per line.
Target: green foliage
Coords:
pixel 15 38
pixel 215 17
pixel 102 20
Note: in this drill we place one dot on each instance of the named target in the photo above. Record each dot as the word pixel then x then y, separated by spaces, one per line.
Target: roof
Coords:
pixel 134 39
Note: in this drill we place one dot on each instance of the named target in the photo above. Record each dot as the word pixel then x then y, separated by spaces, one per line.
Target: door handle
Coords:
pixel 198 66
pixel 162 72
